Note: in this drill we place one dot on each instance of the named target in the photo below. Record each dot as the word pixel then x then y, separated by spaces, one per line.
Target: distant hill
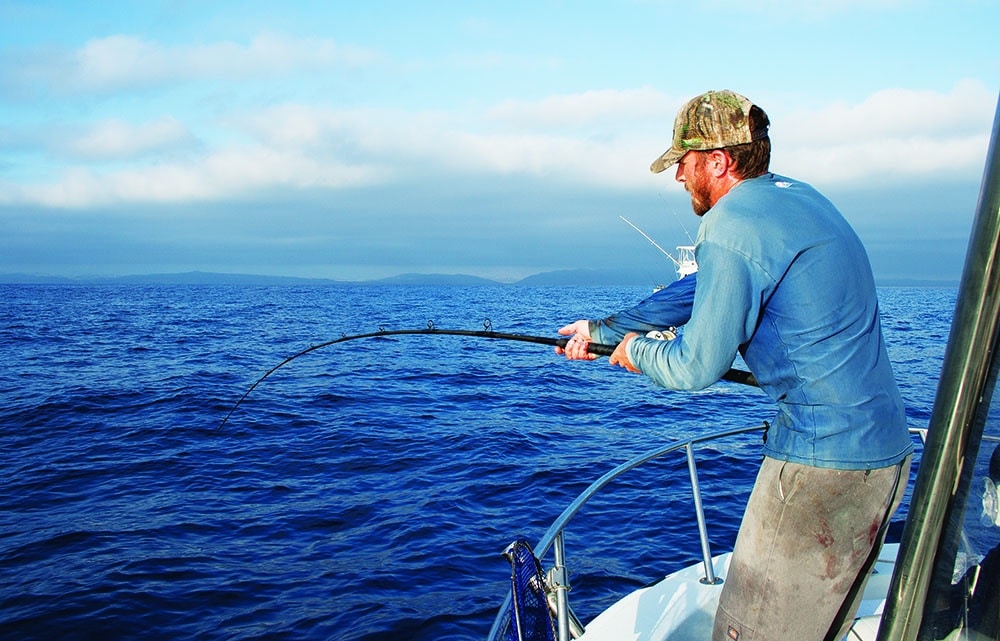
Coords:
pixel 185 278
pixel 35 279
pixel 561 278
pixel 210 278
pixel 587 278
pixel 462 280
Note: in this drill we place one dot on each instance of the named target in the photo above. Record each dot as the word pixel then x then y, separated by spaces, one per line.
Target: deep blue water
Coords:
pixel 364 491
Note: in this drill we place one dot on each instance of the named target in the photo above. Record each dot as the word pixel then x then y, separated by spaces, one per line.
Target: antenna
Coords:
pixel 686 232
pixel 644 235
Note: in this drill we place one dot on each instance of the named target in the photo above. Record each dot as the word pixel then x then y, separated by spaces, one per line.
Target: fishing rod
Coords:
pixel 599 349
pixel 654 243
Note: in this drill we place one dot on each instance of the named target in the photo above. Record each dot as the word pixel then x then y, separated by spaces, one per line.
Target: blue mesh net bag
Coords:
pixel 529 618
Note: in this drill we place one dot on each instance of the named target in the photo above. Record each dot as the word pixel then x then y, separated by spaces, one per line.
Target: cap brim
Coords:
pixel 667 160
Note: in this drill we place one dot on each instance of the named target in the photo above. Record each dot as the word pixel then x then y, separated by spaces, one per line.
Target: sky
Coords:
pixel 358 140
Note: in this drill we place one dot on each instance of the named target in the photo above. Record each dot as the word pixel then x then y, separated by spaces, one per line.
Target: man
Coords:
pixel 784 281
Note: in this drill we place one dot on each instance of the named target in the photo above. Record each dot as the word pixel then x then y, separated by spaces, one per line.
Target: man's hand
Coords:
pixel 620 355
pixel 576 348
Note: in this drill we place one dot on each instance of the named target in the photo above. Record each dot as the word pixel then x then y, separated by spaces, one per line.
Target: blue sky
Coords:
pixel 356 140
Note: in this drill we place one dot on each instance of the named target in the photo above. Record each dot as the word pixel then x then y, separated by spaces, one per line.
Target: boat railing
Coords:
pixel 568 626
pixel 553 537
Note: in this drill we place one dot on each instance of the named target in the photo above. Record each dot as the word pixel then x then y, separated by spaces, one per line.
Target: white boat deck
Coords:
pixel 682 608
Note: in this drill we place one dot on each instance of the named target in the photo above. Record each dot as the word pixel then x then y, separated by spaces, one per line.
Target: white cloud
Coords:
pixel 126 60
pixel 117 139
pixel 607 138
pixel 587 108
pixel 434 144
pixel 896 112
pixel 802 11
pixel 301 126
pixel 228 173
pixel 893 133
pixel 122 61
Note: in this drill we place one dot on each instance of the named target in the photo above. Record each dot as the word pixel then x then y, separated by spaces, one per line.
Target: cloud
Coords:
pixel 609 137
pixel 893 133
pixel 117 139
pixel 894 113
pixel 435 144
pixel 120 62
pixel 597 140
pixel 232 172
pixel 807 11
pixel 586 109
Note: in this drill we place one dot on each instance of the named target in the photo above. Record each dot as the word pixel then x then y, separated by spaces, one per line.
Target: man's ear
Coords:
pixel 718 163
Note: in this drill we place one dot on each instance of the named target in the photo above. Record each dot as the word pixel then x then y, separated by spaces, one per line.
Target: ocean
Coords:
pixel 363 491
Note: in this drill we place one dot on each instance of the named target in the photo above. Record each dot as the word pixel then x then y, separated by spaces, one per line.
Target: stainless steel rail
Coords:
pixel 554 535
pixel 965 391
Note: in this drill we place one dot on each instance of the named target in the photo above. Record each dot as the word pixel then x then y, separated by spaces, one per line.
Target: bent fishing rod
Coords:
pixel 599 349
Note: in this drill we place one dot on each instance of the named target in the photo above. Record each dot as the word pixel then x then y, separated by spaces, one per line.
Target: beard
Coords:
pixel 698 188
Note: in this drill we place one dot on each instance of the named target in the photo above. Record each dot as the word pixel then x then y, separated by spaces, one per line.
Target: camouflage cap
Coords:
pixel 713 120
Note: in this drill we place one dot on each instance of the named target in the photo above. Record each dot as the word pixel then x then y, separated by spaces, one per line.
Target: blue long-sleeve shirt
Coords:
pixel 785 281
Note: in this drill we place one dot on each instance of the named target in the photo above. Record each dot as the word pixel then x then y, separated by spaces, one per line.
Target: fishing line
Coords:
pixel 679 221
pixel 734 375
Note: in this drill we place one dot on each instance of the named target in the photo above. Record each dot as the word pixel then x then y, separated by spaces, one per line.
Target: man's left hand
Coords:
pixel 620 355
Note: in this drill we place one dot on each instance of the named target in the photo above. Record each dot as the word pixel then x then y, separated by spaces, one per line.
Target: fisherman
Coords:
pixel 784 281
